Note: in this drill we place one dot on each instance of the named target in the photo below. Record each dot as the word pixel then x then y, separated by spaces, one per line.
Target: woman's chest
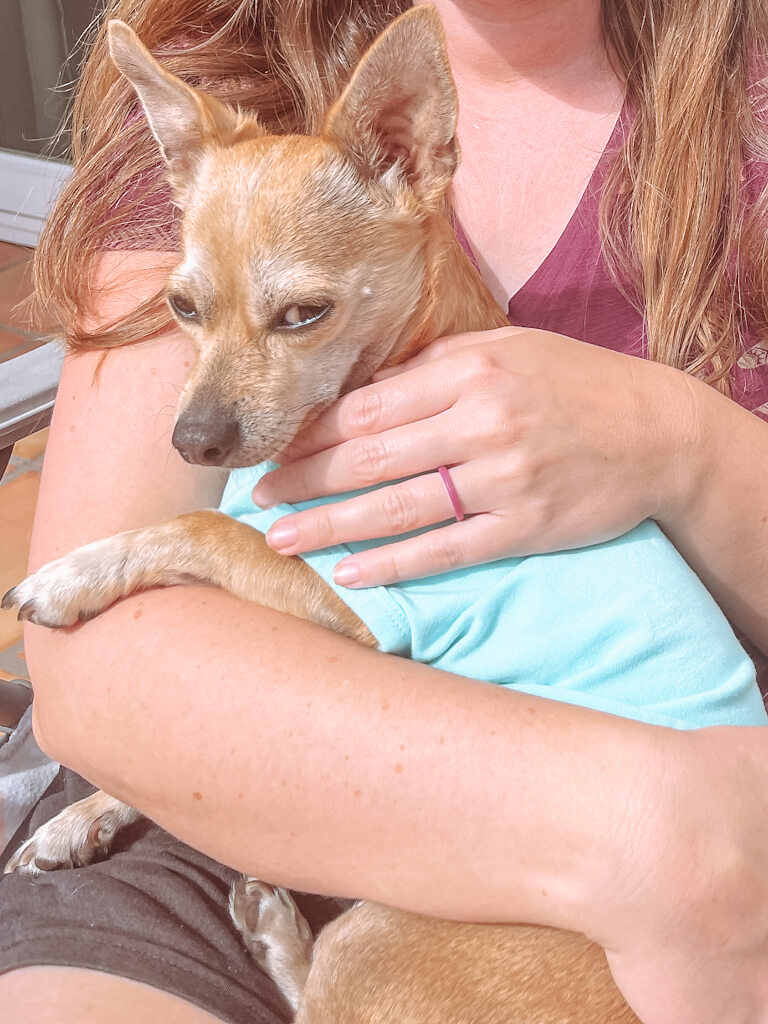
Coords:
pixel 518 187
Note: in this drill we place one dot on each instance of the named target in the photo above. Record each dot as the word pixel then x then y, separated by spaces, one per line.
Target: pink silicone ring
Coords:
pixel 453 494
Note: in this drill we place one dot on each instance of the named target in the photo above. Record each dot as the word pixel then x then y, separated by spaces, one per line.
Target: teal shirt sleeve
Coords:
pixel 624 627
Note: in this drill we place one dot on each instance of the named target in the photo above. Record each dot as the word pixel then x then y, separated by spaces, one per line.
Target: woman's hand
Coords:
pixel 551 444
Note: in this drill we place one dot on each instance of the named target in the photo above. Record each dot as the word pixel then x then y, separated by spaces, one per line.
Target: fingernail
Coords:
pixel 282 536
pixel 346 573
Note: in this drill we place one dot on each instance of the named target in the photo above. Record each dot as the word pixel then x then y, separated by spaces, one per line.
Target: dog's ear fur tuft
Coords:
pixel 183 120
pixel 400 106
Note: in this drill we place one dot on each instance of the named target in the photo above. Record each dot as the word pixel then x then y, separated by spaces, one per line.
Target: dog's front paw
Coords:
pixel 74 588
pixel 79 834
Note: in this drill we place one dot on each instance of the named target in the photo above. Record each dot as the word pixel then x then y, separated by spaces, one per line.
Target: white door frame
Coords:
pixel 28 187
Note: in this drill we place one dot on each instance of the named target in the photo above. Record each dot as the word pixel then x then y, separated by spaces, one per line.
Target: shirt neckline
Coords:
pixel 586 208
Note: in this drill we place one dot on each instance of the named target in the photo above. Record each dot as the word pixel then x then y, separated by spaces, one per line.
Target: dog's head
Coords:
pixel 303 263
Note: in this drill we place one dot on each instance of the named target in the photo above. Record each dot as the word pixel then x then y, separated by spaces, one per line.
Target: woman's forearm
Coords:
pixel 332 768
pixel 720 525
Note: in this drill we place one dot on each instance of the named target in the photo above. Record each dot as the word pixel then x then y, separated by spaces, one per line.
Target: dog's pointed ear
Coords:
pixel 400 106
pixel 183 121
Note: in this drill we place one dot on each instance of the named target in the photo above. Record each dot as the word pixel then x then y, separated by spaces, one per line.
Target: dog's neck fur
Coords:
pixel 454 298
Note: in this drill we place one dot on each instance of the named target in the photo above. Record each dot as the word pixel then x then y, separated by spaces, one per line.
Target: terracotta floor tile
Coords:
pixel 31 446
pixel 10 253
pixel 15 286
pixel 17 504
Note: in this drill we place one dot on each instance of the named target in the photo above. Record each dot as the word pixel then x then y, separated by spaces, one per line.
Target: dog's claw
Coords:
pixel 74 588
pixel 27 611
pixel 9 599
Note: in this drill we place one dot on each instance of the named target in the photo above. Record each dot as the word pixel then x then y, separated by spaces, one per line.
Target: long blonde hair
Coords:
pixel 677 234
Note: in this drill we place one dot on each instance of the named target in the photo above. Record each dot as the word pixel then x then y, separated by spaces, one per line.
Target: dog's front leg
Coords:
pixel 202 547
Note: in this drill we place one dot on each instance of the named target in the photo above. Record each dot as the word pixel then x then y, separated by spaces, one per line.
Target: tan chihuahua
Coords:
pixel 308 264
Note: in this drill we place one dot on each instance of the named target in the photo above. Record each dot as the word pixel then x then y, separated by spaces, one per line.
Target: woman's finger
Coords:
pixel 413 504
pixel 455 546
pixel 367 461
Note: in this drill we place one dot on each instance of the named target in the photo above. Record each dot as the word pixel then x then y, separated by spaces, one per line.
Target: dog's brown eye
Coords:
pixel 182 306
pixel 302 315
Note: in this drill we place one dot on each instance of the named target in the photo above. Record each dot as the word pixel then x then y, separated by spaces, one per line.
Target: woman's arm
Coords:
pixel 227 681
pixel 719 521
pixel 341 770
pixel 189 691
pixel 294 754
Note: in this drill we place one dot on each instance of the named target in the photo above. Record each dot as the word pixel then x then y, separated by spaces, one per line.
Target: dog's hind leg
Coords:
pixel 77 835
pixel 198 547
pixel 275 933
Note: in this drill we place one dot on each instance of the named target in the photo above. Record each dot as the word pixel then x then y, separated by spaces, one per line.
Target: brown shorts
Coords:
pixel 155 911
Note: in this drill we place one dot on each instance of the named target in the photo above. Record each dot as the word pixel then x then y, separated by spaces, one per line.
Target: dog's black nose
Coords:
pixel 206 439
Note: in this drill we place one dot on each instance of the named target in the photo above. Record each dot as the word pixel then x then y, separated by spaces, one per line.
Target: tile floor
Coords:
pixel 19 486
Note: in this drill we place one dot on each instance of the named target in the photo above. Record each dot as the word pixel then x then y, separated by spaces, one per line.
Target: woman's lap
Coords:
pixel 154 912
